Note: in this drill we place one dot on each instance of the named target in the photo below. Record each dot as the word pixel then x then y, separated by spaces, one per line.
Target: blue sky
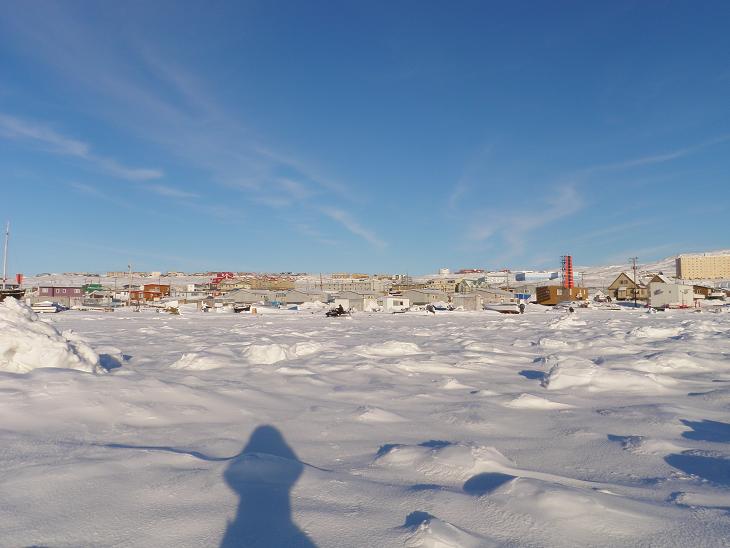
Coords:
pixel 362 136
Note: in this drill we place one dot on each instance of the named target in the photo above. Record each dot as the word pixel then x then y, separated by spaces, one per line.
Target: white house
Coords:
pixel 356 300
pixel 391 303
pixel 664 295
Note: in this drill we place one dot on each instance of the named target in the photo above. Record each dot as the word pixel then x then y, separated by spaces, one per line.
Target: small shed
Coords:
pixel 493 295
pixel 468 301
pixel 361 301
pixel 663 295
pixel 425 296
pixel 298 296
pixel 246 296
pixel 551 295
pixel 393 303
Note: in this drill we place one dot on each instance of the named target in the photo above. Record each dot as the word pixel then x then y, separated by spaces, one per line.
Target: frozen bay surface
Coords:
pixel 601 428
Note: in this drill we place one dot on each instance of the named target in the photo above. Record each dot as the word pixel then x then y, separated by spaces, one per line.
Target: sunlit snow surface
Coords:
pixel 606 428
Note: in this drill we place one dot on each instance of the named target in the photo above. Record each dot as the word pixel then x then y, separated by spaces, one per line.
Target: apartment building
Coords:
pixel 703 267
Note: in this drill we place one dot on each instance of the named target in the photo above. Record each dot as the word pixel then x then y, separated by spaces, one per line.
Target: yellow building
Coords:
pixel 703 267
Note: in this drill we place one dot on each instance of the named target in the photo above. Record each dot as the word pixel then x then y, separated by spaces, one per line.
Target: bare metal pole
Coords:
pixel 5 253
pixel 636 287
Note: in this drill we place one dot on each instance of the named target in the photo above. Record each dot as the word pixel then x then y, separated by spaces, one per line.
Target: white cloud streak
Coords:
pixel 656 158
pixel 155 98
pixel 171 192
pixel 16 129
pixel 354 227
pixel 514 227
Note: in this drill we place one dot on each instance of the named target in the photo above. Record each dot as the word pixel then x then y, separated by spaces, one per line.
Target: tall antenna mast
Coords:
pixel 5 253
pixel 129 286
pixel 633 260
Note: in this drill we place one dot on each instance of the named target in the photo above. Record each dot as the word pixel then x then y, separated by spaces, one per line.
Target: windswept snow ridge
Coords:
pixel 27 343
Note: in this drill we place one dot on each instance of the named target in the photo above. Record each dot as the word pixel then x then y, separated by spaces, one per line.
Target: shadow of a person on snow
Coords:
pixel 263 475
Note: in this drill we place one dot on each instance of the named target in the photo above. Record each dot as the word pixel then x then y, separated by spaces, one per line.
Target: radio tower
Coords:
pixel 566 262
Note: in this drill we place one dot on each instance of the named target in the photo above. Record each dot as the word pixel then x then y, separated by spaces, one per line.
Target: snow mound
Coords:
pixel 530 401
pixel 428 531
pixel 314 305
pixel 443 460
pixel 547 342
pixel 482 347
pixel 202 361
pixel 28 343
pixel 566 322
pixel 302 349
pixel 453 384
pixel 377 415
pixel 668 361
pixel 580 511
pixel 570 372
pixel 266 354
pixel 390 349
pixel 651 332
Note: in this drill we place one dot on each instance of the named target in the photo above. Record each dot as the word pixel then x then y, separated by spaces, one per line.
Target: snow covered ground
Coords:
pixel 601 428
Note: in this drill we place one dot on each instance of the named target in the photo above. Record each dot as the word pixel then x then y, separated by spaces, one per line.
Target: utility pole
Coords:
pixel 5 253
pixel 633 260
pixel 129 286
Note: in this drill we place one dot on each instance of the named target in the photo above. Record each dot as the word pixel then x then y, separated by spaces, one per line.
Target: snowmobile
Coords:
pixel 337 312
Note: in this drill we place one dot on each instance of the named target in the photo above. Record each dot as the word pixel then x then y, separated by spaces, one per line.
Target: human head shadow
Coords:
pixel 262 475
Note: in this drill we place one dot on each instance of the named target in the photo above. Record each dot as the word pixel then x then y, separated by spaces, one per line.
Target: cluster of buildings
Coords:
pixel 468 289
pixel 660 291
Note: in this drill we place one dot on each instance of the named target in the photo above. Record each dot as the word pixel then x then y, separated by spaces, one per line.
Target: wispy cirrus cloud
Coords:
pixel 653 159
pixel 171 192
pixel 156 98
pixel 473 172
pixel 346 220
pixel 18 129
pixel 515 226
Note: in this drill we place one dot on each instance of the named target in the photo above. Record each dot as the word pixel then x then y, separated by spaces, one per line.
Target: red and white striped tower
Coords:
pixel 567 271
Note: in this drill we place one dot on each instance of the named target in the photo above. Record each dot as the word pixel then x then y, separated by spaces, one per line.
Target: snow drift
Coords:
pixel 28 343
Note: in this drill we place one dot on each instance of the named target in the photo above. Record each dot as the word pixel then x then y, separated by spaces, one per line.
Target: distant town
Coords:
pixel 690 281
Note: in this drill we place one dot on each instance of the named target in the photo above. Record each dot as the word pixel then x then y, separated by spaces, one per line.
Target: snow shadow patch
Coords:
pixel 109 362
pixel 387 448
pixel 676 497
pixel 627 442
pixel 707 430
pixel 414 519
pixel 435 444
pixel 425 487
pixel 262 476
pixel 483 484
pixel 165 448
pixel 533 374
pixel 704 465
